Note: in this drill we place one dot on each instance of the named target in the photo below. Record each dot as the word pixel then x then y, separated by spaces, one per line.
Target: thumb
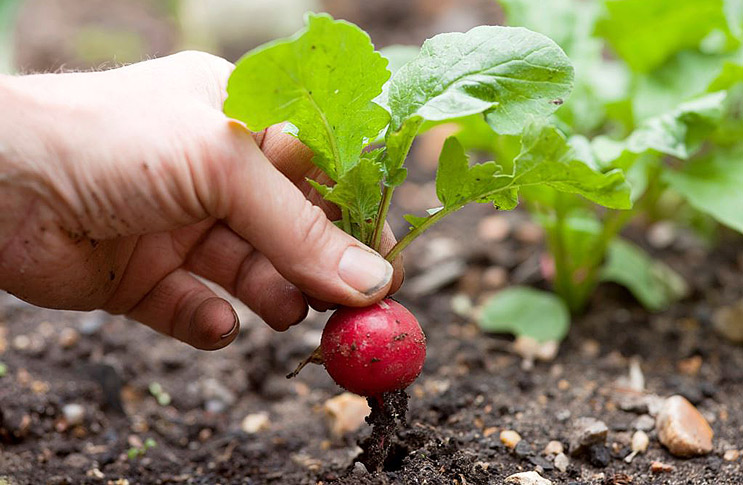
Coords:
pixel 264 207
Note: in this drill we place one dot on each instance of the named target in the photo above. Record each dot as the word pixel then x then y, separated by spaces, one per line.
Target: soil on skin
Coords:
pixel 471 387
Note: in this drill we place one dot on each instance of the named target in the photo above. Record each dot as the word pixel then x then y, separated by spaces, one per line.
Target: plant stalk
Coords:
pixel 384 208
pixel 415 232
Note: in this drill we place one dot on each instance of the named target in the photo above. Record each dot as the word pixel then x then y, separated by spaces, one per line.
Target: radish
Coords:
pixel 373 350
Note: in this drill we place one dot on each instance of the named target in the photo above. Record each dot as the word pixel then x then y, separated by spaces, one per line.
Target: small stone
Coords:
pixel 68 338
pixel 658 467
pixel 494 278
pixel 644 422
pixel 599 455
pixel 563 415
pixel 529 232
pixel 682 428
pixel 728 322
pixel 731 455
pixel 21 342
pixel 590 348
pixel 586 432
pixel 561 462
pixel 510 438
pixel 640 442
pixel 494 228
pixel 690 366
pixel 91 322
pixel 528 478
pixel 74 414
pixel 662 234
pixel 95 473
pixel 523 449
pixel 531 349
pixel 345 413
pixel 359 469
pixel 253 423
pixel 553 448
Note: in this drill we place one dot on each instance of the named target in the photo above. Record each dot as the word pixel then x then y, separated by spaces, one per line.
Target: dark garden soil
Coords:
pixel 472 386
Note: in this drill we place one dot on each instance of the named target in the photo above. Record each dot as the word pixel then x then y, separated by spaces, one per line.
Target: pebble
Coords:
pixel 68 338
pixel 436 277
pixel 73 413
pixel 523 449
pixel 599 455
pixel 528 478
pixel 662 234
pixel 690 366
pixel 640 442
pixel 553 448
pixel 529 233
pixel 644 422
pixel 531 349
pixel 91 322
pixel 212 389
pixel 494 228
pixel 658 467
pixel 586 432
pixel 682 428
pixel 345 413
pixel 494 278
pixel 731 455
pixel 561 462
pixel 359 469
pixel 510 438
pixel 253 423
pixel 728 322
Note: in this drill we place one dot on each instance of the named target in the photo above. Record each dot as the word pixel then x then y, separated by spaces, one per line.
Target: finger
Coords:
pixel 264 207
pixel 385 246
pixel 292 158
pixel 228 260
pixel 182 307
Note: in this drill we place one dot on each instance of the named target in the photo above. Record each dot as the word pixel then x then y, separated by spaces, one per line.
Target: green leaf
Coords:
pixel 730 74
pixel 647 32
pixel 323 81
pixel 511 74
pixel 458 184
pixel 8 11
pixel 525 311
pixel 734 14
pixel 547 158
pixel 679 132
pixel 713 185
pixel 684 76
pixel 653 283
pixel 571 23
pixel 358 189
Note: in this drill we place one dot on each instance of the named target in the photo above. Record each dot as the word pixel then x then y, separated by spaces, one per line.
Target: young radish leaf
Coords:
pixel 323 81
pixel 653 283
pixel 713 185
pixel 358 191
pixel 512 75
pixel 647 32
pixel 546 159
pixel 525 311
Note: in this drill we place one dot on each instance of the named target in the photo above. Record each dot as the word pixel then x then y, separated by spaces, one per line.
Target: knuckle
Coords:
pixel 314 228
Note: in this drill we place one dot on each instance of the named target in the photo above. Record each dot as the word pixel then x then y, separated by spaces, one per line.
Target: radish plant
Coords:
pixel 665 110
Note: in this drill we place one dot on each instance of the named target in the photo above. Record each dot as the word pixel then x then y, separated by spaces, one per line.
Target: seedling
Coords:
pixel 668 116
pixel 139 451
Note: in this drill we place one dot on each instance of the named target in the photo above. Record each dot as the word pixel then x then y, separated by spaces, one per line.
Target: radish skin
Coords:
pixel 373 350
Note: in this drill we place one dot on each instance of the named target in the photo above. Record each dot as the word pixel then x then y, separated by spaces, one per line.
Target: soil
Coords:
pixel 471 388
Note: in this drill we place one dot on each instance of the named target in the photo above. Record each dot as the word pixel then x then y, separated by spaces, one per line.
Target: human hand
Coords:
pixel 118 186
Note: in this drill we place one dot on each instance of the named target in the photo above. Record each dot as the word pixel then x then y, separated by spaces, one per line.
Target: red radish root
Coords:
pixel 373 350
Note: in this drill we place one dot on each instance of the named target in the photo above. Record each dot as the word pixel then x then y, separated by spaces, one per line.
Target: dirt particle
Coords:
pixel 400 338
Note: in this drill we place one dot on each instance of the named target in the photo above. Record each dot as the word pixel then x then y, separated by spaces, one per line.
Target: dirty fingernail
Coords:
pixel 364 271
pixel 235 326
